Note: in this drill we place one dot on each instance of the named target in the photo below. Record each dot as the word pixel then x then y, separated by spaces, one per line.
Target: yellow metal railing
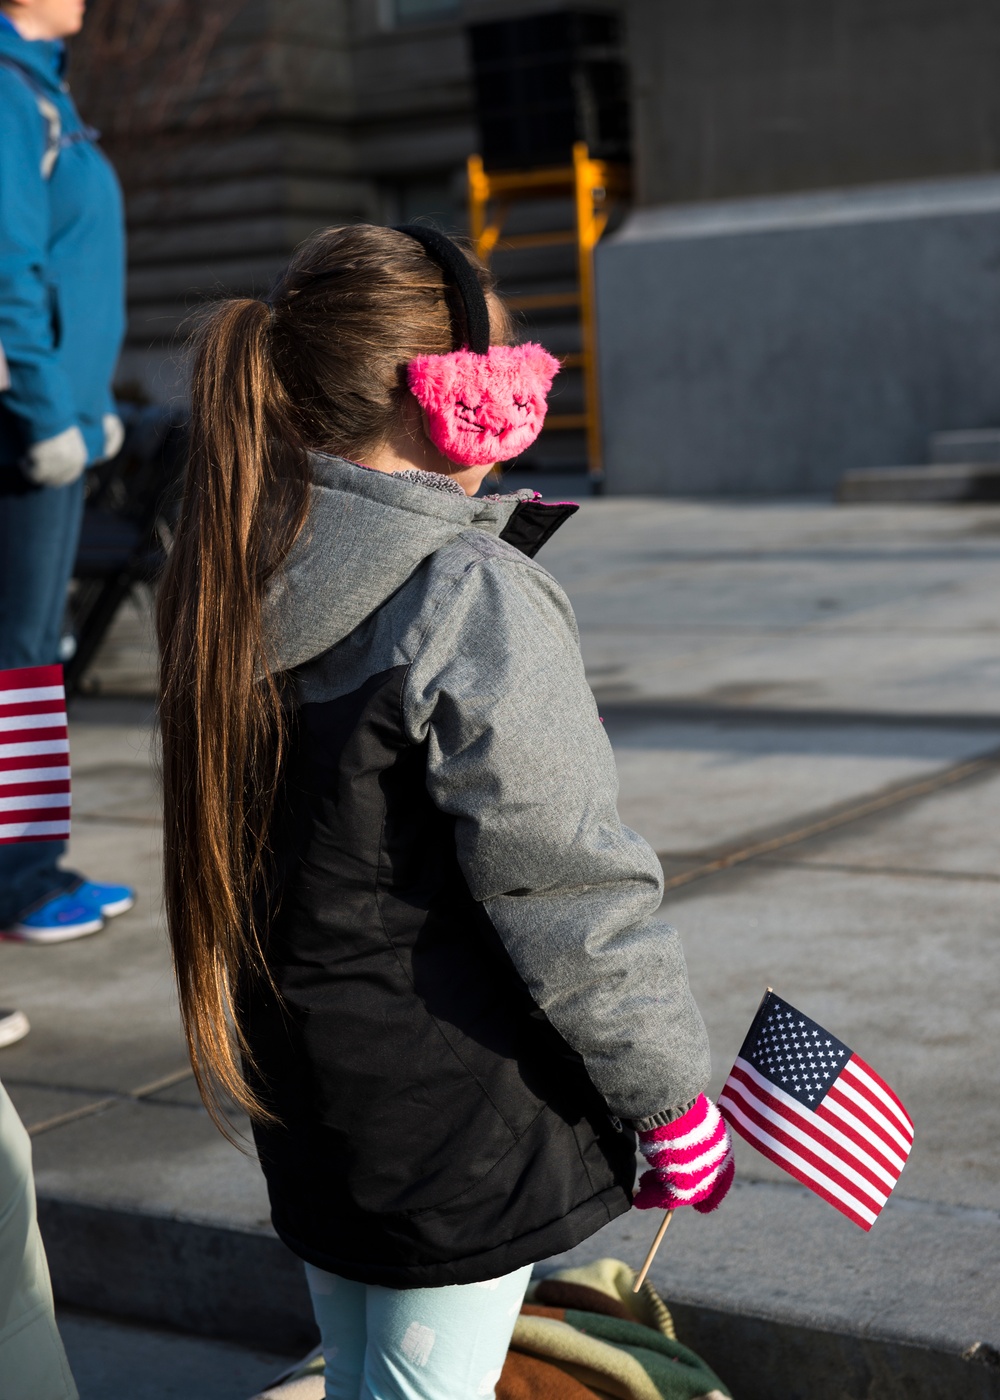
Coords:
pixel 592 185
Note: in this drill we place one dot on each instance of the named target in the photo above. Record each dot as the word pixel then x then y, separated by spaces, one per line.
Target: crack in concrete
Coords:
pixel 842 816
pixel 111 1100
pixel 903 871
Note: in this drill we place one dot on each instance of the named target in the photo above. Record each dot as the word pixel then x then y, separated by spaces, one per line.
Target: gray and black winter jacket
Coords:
pixel 475 1000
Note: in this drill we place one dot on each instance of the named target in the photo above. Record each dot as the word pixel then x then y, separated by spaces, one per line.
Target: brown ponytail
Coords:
pixel 220 708
pixel 320 367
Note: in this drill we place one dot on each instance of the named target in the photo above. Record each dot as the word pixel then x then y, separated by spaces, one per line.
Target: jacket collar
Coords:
pixel 367 532
pixel 44 59
pixel 533 523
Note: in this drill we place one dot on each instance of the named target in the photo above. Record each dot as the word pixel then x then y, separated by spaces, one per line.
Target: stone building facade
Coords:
pixel 363 109
pixel 359 109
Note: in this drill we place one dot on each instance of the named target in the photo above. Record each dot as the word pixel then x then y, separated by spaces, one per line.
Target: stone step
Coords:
pixel 779 1293
pixel 203 1278
pixel 967 445
pixel 942 482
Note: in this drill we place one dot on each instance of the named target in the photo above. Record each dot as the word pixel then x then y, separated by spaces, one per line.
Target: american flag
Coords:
pixel 34 755
pixel 806 1101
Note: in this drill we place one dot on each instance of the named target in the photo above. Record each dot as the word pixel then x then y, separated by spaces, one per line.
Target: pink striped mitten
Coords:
pixel 691 1161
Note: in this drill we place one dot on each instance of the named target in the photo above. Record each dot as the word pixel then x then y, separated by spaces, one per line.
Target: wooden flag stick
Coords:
pixel 641 1276
pixel 640 1280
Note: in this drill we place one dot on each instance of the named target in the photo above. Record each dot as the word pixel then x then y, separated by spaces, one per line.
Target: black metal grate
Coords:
pixel 545 81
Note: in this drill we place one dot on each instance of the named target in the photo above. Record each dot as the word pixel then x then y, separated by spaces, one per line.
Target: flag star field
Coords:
pixel 796 1054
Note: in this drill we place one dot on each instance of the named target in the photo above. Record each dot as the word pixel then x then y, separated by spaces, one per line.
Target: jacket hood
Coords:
pixel 366 533
pixel 44 59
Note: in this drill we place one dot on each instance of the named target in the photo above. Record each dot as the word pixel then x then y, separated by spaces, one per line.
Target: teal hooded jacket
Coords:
pixel 62 259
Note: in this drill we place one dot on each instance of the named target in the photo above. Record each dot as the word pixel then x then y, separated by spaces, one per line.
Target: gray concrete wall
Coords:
pixel 733 99
pixel 769 345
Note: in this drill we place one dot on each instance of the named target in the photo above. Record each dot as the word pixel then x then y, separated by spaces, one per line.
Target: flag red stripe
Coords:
pixel 20 709
pixel 860 1107
pixel 874 1196
pixel 38 788
pixel 867 1163
pixel 35 814
pixel 893 1107
pixel 17 762
pixel 34 736
pixel 793 1170
pixel 28 677
pixel 20 791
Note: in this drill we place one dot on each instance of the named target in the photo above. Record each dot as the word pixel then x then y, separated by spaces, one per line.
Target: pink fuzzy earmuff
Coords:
pixel 483 408
pixel 484 403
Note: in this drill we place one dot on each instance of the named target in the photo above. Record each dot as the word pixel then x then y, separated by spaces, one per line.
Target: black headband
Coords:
pixel 462 276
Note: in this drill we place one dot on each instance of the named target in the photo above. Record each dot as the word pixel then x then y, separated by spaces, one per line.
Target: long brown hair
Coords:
pixel 319 366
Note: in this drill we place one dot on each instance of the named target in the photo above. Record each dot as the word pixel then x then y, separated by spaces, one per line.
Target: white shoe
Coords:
pixel 13 1027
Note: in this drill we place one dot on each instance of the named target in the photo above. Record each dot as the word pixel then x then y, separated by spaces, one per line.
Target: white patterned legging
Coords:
pixel 414 1343
pixel 33 1365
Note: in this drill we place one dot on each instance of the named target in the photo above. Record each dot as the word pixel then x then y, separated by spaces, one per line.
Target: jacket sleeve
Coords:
pixel 39 393
pixel 517 753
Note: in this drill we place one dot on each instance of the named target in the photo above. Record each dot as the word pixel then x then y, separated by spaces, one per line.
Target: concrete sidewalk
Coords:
pixel 804 706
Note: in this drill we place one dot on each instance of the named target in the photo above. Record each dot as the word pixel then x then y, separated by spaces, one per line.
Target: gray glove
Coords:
pixel 56 461
pixel 114 436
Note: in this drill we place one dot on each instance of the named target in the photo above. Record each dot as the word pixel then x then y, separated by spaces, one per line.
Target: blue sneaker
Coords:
pixel 57 920
pixel 107 900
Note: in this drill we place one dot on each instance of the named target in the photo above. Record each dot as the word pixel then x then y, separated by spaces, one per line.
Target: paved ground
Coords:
pixel 120 1361
pixel 766 671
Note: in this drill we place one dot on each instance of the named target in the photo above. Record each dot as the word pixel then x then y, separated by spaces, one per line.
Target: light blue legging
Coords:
pixel 414 1343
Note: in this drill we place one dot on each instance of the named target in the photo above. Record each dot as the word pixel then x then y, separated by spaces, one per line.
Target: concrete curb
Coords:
pixel 208 1280
pixel 246 1287
pixel 950 482
pixel 761 1358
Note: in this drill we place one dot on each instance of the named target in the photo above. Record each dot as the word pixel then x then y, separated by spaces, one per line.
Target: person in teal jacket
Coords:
pixel 62 319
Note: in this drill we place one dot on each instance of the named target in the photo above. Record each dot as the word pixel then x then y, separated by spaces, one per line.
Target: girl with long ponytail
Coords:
pixel 412 939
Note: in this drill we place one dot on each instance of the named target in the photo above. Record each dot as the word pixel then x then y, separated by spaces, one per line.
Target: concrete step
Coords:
pixel 202 1279
pixel 964 446
pixel 111 1359
pixel 780 1294
pixel 951 482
